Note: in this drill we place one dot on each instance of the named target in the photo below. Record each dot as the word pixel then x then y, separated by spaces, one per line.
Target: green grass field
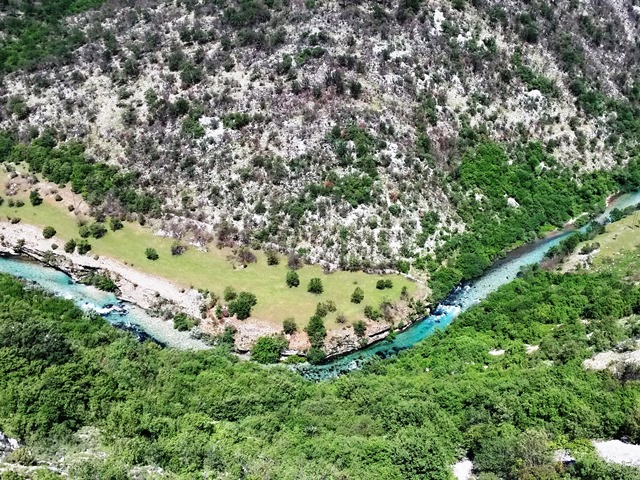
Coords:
pixel 213 271
pixel 619 248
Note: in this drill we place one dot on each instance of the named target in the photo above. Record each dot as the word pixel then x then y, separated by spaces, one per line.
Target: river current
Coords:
pixel 144 326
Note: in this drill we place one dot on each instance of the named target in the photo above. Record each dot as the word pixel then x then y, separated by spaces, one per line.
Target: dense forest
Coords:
pixel 208 415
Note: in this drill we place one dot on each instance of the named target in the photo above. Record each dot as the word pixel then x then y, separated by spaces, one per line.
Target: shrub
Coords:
pixel 316 355
pixel 341 318
pixel 229 294
pixel 357 296
pixel 151 254
pixel 242 305
pixel 246 256
pixel 315 286
pixel 178 248
pixel 272 257
pixel 48 232
pixel 372 313
pixel 289 326
pixel 268 349
pixel 98 230
pixel 115 224
pixel 35 198
pixel 316 331
pixel 321 310
pixel 83 246
pixel 70 246
pixel 360 328
pixel 293 280
pixel 84 231
pixel 183 322
pixel 382 284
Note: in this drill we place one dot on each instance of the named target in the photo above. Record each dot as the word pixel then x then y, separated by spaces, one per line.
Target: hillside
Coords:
pixel 332 127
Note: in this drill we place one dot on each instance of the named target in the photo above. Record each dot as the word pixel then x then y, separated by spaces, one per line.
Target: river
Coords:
pixel 141 324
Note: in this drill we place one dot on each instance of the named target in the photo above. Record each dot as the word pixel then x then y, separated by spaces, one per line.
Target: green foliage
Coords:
pixel 382 285
pixel 183 322
pixel 38 33
pixel 359 328
pixel 315 286
pixel 268 349
pixel 70 246
pixel 236 120
pixel 83 246
pixel 289 326
pixel 48 232
pixel 115 224
pixel 545 195
pixel 151 254
pixel 316 331
pixel 403 418
pixel 357 296
pixel 98 280
pixel 67 163
pixel 242 305
pixel 229 294
pixel 97 230
pixel 35 198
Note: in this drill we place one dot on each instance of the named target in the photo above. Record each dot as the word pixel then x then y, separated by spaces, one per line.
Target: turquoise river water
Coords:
pixel 144 326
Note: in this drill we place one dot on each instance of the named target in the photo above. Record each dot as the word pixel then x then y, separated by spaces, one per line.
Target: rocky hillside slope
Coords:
pixel 326 125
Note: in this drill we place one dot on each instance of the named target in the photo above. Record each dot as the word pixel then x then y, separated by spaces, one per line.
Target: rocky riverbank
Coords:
pixel 151 292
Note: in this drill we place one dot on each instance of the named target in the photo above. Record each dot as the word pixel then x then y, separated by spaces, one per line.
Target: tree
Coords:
pixel 229 294
pixel 35 198
pixel 268 349
pixel 83 246
pixel 151 254
pixel 178 248
pixel 84 231
pixel 289 326
pixel 98 230
pixel 70 246
pixel 48 232
pixel 315 286
pixel 242 305
pixel 183 322
pixel 316 355
pixel 272 257
pixel 293 280
pixel 115 224
pixel 316 331
pixel 357 296
pixel 359 328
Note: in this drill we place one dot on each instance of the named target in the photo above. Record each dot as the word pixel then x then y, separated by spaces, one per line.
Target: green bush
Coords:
pixel 289 326
pixel 70 246
pixel 35 198
pixel 293 280
pixel 151 254
pixel 357 296
pixel 48 232
pixel 115 224
pixel 183 322
pixel 229 294
pixel 83 246
pixel 359 328
pixel 242 305
pixel 84 231
pixel 315 286
pixel 97 230
pixel 268 349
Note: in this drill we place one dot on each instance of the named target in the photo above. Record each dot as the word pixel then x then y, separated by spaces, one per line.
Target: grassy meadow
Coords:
pixel 213 270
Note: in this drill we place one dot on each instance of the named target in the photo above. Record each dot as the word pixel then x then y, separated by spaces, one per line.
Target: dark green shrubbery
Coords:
pixel 241 306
